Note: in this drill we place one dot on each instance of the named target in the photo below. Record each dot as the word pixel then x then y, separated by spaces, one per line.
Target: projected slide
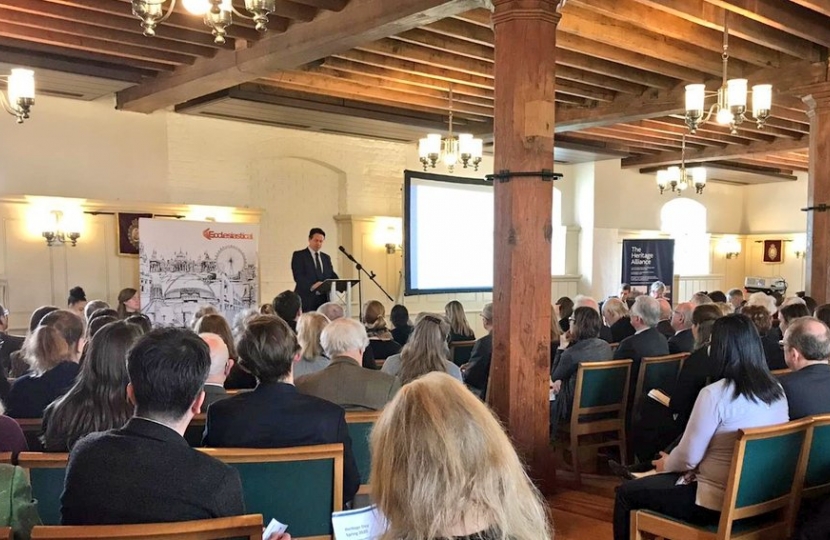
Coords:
pixel 448 223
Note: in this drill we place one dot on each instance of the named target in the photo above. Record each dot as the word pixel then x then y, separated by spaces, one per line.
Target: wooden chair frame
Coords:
pixel 5 457
pixel 32 428
pixel 6 533
pixel 362 417
pixel 248 526
pixel 42 460
pixel 780 372
pixel 577 429
pixel 457 344
pixel 657 526
pixel 651 361
pixel 821 489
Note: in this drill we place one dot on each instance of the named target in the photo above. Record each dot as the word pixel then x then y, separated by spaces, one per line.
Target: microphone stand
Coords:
pixel 370 275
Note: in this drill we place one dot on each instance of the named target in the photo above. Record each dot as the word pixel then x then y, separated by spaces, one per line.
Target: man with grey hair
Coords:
pixel 664 325
pixel 657 289
pixel 586 301
pixel 477 371
pixel 683 341
pixel 344 381
pixel 646 341
pixel 220 367
pixel 92 306
pixel 807 352
pixel 736 298
pixel 332 310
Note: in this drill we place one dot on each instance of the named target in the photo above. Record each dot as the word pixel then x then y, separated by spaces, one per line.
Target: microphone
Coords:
pixel 347 254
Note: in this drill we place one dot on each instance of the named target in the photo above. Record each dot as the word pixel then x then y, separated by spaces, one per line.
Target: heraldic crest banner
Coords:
pixel 185 265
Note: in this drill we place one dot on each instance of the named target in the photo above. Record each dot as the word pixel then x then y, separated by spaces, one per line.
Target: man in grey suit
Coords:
pixel 344 381
pixel 220 366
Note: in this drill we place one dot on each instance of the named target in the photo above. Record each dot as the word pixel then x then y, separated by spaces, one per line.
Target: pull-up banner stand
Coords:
pixel 647 261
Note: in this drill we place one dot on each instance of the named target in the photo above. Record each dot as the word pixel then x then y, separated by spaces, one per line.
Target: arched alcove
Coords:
pixel 685 220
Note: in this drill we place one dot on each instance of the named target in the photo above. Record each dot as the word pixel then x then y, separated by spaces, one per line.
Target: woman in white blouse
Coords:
pixel 694 477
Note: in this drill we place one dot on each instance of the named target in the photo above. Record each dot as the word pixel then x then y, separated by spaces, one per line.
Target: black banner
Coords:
pixel 647 261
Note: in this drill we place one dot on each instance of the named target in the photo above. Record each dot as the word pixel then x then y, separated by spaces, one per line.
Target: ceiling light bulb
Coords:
pixel 724 117
pixel 196 7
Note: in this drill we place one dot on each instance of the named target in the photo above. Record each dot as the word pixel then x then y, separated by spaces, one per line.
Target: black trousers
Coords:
pixel 658 493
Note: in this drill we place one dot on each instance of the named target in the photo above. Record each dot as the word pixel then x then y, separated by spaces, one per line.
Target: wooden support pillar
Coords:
pixel 817 99
pixel 525 69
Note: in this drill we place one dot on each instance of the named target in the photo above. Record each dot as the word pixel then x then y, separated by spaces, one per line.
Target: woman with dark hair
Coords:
pixel 76 301
pixel 579 344
pixel 142 321
pixel 53 351
pixel 98 400
pixel 696 471
pixel 399 317
pixel 823 314
pixel 566 308
pixel 128 302
pixel 787 314
pixel 773 350
pixel 380 338
pixel 214 323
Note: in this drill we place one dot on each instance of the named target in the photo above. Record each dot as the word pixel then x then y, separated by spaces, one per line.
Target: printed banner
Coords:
pixel 185 265
pixel 647 261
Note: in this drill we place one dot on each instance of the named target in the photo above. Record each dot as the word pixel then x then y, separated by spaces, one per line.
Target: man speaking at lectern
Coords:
pixel 311 267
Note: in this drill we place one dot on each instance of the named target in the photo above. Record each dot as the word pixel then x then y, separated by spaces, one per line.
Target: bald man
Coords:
pixel 587 301
pixel 664 326
pixel 681 322
pixel 807 351
pixel 220 366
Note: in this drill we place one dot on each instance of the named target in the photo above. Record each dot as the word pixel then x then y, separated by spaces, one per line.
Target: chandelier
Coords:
pixel 681 178
pixel 450 149
pixel 730 108
pixel 218 14
pixel 21 93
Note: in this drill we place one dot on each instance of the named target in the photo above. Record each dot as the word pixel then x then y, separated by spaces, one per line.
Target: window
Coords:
pixel 685 220
pixel 558 237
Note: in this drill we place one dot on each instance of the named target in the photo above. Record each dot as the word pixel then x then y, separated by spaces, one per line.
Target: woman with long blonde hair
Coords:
pixel 380 338
pixel 426 351
pixel 452 472
pixel 460 329
pixel 309 328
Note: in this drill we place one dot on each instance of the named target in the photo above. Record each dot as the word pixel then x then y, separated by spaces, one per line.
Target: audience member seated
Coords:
pixel 789 313
pixel 555 331
pixel 97 324
pixel 19 509
pixel 587 301
pixel 103 312
pixel 275 414
pixel 763 300
pixel 657 289
pixel 579 344
pixel 809 301
pixel 426 351
pixel 145 472
pixel 683 340
pixel 442 467
pixel 399 317
pixel 220 367
pixel 18 358
pixel 334 311
pixel 76 301
pixel 204 309
pixel 380 338
pixel 625 291
pixel 288 306
pixel 8 343
pixel 142 321
pixel 53 351
pixel 725 308
pixel 807 352
pixel 460 329
pixel 238 378
pixel 309 329
pixel 696 471
pixel 646 341
pixel 736 298
pixel 92 306
pixel 773 352
pixel 476 372
pixel 822 313
pixel 11 435
pixel 617 317
pixel 97 401
pixel 565 307
pixel 717 297
pixel 700 298
pixel 664 325
pixel 344 382
pixel 129 302
pixel 267 309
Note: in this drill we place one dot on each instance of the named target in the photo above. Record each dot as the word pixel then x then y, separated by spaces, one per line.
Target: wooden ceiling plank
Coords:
pixel 583 90
pixel 674 133
pixel 431 57
pixel 27 46
pixel 295 11
pixel 820 6
pixel 105 34
pixel 360 22
pixel 785 167
pixel 592 79
pixel 714 127
pixel 628 140
pixel 49 37
pixel 786 16
pixel 617 72
pixel 625 130
pixel 447 44
pixel 462 30
pixel 711 16
pixel 672 26
pixel 37 60
pixel 328 5
pixel 712 154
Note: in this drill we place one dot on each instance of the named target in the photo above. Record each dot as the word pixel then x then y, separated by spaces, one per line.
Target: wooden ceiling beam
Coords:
pixel 447 44
pixel 295 11
pixel 462 29
pixel 711 16
pixel 676 125
pixel 602 145
pixel 713 154
pixel 786 16
pixel 51 62
pixel 614 71
pixel 613 138
pixel 820 6
pixel 677 28
pixel 784 167
pixel 639 135
pixel 570 73
pixel 328 5
pixel 674 133
pixel 360 22
pixel 431 57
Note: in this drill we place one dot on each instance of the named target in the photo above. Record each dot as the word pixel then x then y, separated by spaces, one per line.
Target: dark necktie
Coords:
pixel 317 263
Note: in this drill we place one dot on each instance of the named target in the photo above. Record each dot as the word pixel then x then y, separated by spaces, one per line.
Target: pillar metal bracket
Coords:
pixel 505 175
pixel 823 207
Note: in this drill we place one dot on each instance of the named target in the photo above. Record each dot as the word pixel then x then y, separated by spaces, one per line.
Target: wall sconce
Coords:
pixel 800 246
pixel 730 247
pixel 21 90
pixel 56 236
pixel 392 239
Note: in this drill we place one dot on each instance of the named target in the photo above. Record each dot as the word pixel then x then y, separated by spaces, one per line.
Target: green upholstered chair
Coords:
pixel 460 351
pixel 32 429
pixel 599 408
pixel 360 425
pixel 248 526
pixel 657 372
pixel 47 473
pixel 762 491
pixel 817 476
pixel 299 486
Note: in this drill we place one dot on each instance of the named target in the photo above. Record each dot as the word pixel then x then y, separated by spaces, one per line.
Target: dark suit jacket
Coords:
pixel 621 330
pixel 683 341
pixel 276 415
pixel 773 350
pixel 29 395
pixel 808 391
pixel 478 372
pixel 645 344
pixel 306 274
pixel 664 327
pixel 213 394
pixel 605 334
pixel 698 371
pixel 9 345
pixel 383 348
pixel 349 385
pixel 145 473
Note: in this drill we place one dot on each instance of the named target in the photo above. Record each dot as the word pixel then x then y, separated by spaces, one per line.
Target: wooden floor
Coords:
pixel 583 512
